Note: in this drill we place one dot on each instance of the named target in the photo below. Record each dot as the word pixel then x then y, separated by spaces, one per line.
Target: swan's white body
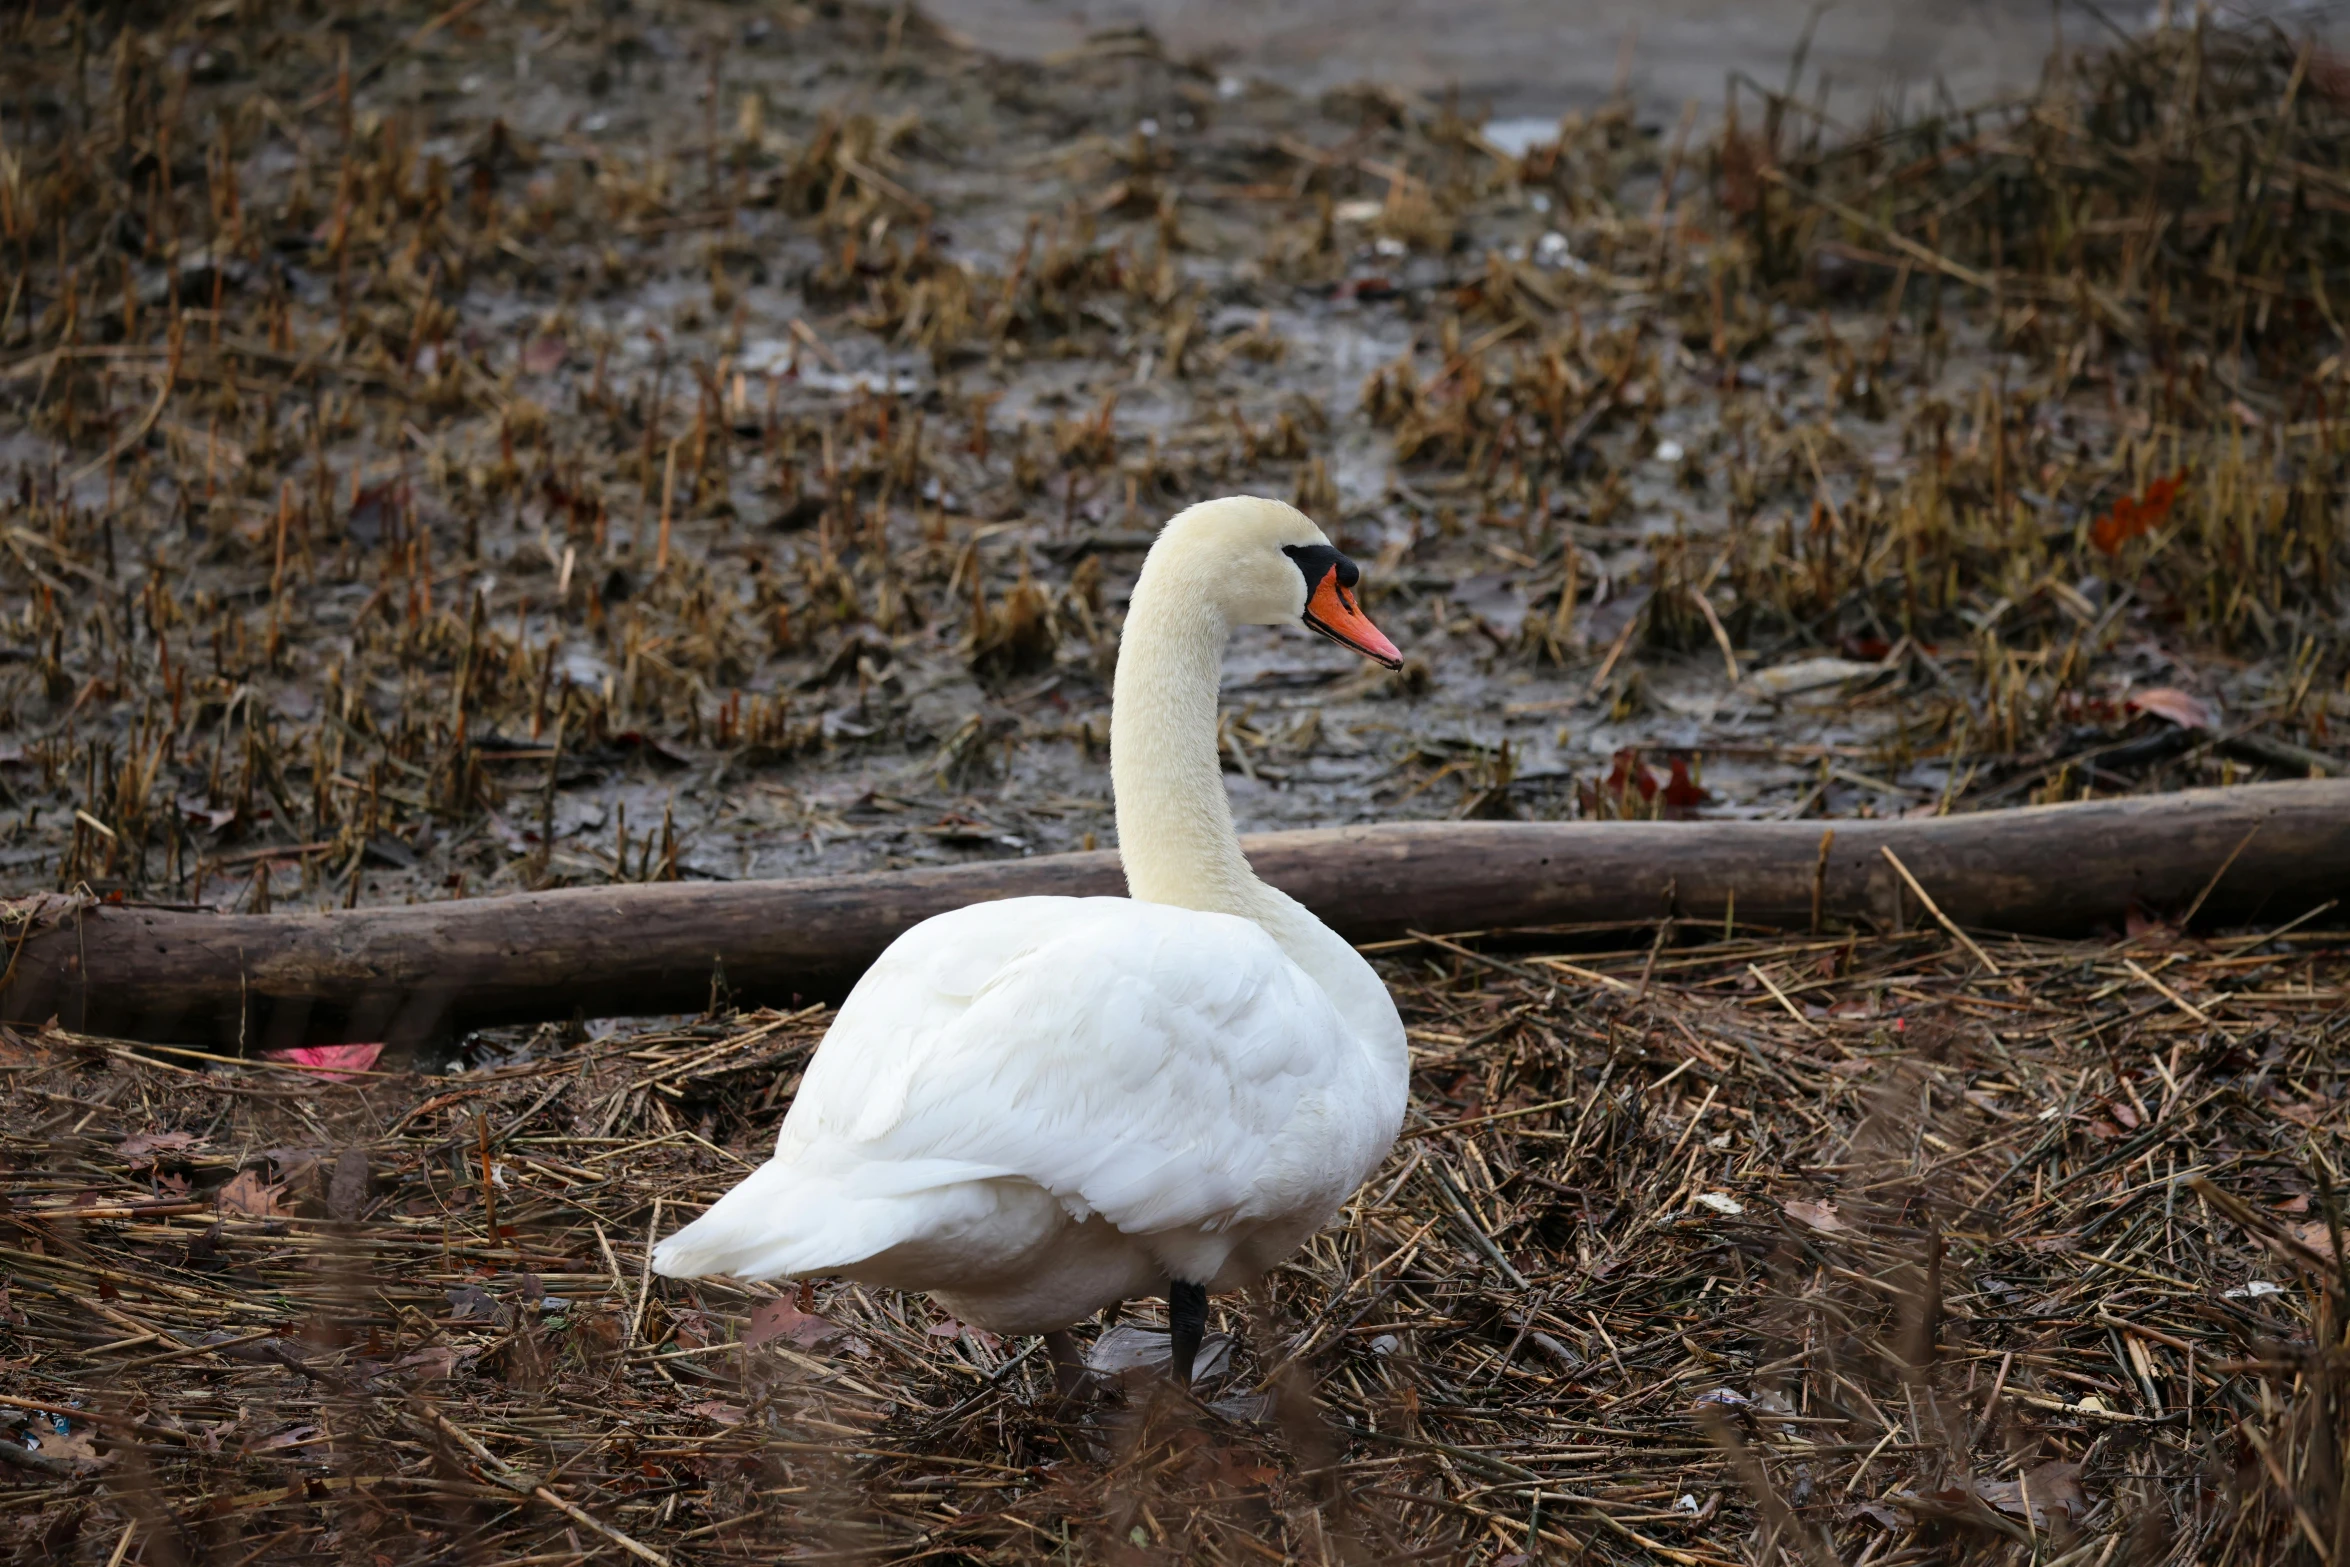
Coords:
pixel 1037 1108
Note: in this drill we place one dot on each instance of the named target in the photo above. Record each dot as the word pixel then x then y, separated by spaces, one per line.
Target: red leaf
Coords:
pixel 2133 515
pixel 1629 769
pixel 335 1063
pixel 2170 702
pixel 1682 793
pixel 781 1319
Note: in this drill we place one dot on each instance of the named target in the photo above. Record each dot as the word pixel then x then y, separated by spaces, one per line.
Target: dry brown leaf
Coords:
pixel 346 1193
pixel 2188 712
pixel 429 1364
pixel 74 1447
pixel 2300 1112
pixel 291 1436
pixel 1820 1216
pixel 254 1197
pixel 1879 1514
pixel 781 1319
pixel 2046 1492
pixel 143 1148
pixel 2316 1236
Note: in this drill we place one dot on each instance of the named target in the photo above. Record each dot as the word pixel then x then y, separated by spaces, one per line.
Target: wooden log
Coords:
pixel 421 972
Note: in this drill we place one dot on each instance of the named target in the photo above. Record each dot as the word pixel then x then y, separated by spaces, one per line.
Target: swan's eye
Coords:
pixel 1330 603
pixel 1317 561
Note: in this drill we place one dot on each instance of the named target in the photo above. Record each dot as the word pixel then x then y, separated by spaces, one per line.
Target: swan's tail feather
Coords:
pixel 785 1220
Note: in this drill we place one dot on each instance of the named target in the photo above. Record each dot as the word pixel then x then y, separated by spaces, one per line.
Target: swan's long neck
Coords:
pixel 1174 821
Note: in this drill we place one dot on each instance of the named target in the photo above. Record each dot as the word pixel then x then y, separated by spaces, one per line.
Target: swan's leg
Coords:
pixel 1187 1321
pixel 1068 1361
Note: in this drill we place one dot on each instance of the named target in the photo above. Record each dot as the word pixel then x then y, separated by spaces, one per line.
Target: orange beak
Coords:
pixel 1331 610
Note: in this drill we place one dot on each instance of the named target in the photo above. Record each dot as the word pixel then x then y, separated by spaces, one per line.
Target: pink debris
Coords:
pixel 333 1062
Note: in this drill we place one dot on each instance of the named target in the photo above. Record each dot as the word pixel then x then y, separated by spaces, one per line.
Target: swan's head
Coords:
pixel 1264 563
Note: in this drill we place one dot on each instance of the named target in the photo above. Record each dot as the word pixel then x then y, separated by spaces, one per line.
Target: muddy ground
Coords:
pixel 454 452
pixel 1532 60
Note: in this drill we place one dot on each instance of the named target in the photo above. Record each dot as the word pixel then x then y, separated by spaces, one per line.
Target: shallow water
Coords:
pixel 1539 58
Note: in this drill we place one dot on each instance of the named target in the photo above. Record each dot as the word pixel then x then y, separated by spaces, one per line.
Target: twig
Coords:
pixel 1934 909
pixel 2242 844
pixel 1780 996
pixel 2167 994
pixel 499 1472
pixel 1898 240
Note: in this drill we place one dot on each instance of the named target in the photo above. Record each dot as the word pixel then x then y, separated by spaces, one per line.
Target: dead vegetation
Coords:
pixel 1761 1249
pixel 423 489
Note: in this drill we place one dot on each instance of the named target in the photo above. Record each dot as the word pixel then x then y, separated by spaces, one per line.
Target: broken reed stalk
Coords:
pixel 1935 909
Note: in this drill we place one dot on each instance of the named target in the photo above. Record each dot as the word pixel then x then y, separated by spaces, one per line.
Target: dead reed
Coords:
pixel 424 491
pixel 1832 1249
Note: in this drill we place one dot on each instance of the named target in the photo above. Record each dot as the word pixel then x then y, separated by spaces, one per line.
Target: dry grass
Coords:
pixel 1737 1252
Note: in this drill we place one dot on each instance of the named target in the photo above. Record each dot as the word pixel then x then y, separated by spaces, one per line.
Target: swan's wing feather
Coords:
pixel 1162 1067
pixel 880 1041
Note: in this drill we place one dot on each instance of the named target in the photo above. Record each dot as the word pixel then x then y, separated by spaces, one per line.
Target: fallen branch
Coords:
pixel 416 973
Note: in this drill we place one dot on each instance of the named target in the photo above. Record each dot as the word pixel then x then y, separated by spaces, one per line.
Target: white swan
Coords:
pixel 1036 1108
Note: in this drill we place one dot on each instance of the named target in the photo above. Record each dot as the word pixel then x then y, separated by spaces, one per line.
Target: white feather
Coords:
pixel 1010 1073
